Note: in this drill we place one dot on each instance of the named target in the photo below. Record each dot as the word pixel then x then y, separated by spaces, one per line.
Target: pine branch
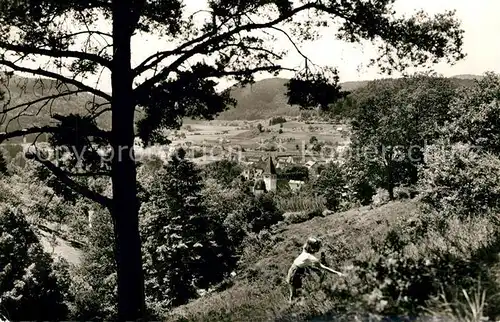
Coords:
pixel 45 98
pixel 63 177
pixel 204 43
pixel 56 53
pixel 41 72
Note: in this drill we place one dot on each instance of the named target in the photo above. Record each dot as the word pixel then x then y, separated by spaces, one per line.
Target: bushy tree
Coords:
pixel 475 114
pixel 240 210
pixel 459 177
pixel 224 171
pixel 30 287
pixel 77 39
pixel 184 248
pixel 277 120
pixel 331 185
pixel 94 281
pixel 457 180
pixel 393 122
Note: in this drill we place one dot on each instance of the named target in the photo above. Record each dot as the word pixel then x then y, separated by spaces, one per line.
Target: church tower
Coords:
pixel 269 175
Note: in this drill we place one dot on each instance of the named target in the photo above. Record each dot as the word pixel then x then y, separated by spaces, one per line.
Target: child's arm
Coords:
pixel 328 269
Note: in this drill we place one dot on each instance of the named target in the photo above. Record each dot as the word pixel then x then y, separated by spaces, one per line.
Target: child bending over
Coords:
pixel 305 260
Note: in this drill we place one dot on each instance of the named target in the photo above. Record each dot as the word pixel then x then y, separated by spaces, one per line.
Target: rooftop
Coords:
pixel 269 166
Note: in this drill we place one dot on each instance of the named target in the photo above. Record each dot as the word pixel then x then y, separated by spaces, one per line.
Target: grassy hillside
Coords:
pixel 259 293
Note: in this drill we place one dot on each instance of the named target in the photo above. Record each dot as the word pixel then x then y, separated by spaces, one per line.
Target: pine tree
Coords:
pixel 184 248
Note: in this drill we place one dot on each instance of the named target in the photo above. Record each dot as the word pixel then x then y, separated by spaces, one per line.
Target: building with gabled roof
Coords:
pixel 270 175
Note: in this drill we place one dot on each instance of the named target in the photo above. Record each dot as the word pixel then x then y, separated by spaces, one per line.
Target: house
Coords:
pixel 290 160
pixel 313 167
pixel 295 185
pixel 248 173
pixel 281 164
pixel 309 164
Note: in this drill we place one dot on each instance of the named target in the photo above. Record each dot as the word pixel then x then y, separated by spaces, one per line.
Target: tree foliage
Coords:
pixel 294 172
pixel 393 122
pixel 459 177
pixel 32 286
pixel 184 248
pixel 474 115
pixel 94 281
pixel 224 171
pixel 458 180
pixel 332 186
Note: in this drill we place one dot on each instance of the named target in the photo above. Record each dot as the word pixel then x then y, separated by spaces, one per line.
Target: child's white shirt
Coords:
pixel 306 260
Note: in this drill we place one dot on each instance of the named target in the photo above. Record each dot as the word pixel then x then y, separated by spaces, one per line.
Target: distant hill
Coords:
pixel 267 98
pixel 21 90
pixel 467 76
pixel 264 99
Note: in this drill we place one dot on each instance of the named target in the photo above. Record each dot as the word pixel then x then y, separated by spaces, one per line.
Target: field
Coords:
pixel 219 138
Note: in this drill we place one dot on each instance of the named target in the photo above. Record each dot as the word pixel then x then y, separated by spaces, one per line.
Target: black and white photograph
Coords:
pixel 250 160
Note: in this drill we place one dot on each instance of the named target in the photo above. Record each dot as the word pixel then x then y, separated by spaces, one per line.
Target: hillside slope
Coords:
pixel 267 98
pixel 23 90
pixel 259 292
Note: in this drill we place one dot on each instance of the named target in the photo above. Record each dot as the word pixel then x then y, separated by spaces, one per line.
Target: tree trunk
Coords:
pixel 390 180
pixel 125 205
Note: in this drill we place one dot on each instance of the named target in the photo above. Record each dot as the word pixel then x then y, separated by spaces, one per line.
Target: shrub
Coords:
pixel 277 120
pixel 460 181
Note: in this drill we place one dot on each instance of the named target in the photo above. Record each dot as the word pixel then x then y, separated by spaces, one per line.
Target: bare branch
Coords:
pixel 292 41
pixel 51 97
pixel 204 43
pixel 61 175
pixel 56 53
pixel 56 76
pixel 88 31
pixel 222 73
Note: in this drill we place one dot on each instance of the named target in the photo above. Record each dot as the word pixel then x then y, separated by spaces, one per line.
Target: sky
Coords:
pixel 481 44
